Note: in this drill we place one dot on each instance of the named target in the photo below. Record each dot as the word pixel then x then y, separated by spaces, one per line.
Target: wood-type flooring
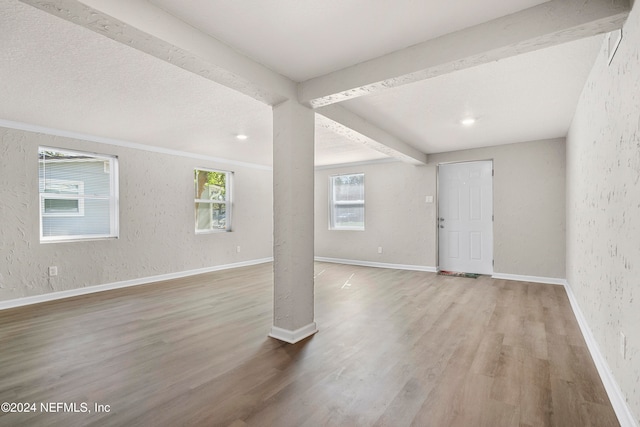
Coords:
pixel 394 348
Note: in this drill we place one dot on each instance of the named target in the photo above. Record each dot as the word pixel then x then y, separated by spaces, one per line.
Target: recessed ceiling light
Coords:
pixel 468 121
pixel 242 137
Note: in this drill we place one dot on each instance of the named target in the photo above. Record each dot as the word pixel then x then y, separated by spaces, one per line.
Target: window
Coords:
pixel 346 202
pixel 212 200
pixel 78 195
pixel 63 198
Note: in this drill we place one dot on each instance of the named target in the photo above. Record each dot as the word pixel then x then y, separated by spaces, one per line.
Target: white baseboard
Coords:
pixel 19 302
pixel 533 279
pixel 625 417
pixel 293 337
pixel 377 264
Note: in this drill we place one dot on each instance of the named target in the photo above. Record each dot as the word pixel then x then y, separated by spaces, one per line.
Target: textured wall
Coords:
pixel 603 207
pixel 396 216
pixel 529 208
pixel 156 220
pixel 528 205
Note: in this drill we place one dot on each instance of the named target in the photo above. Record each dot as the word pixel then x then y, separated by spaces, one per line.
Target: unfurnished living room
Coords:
pixel 320 213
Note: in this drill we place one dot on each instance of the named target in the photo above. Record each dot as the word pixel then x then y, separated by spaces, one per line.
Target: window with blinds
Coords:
pixel 346 202
pixel 78 195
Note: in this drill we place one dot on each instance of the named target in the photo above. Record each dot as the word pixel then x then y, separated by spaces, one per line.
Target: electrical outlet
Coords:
pixel 428 199
pixel 623 345
pixel 238 249
pixel 379 249
pixel 53 271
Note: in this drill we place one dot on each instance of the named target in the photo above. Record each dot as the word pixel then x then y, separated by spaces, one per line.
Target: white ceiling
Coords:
pixel 302 39
pixel 332 149
pixel 522 98
pixel 81 81
pixel 54 73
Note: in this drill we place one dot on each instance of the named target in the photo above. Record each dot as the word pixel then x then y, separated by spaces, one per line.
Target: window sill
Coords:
pixel 78 239
pixel 198 232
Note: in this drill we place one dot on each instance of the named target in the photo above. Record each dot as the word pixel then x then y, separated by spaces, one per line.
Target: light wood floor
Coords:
pixel 395 348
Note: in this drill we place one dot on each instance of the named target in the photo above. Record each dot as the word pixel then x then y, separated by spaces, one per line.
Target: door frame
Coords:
pixel 437 223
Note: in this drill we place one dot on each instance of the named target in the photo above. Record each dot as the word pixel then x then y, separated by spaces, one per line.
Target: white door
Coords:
pixel 465 217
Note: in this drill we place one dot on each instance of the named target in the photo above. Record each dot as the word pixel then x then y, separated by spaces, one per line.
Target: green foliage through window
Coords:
pixel 212 204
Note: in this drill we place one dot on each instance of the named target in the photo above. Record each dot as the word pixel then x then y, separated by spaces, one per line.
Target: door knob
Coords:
pixel 440 219
pixel 441 226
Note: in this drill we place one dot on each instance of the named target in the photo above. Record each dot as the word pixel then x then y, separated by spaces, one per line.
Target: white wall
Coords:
pixel 603 208
pixel 528 205
pixel 529 208
pixel 156 220
pixel 399 221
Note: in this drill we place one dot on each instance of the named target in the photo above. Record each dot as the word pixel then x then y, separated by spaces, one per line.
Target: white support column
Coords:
pixel 293 176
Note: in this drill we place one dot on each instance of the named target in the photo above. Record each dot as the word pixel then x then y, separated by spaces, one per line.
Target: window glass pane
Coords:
pixel 62 187
pixel 211 216
pixel 211 185
pixel 61 206
pixel 95 222
pixel 219 215
pixel 348 187
pixel 72 173
pixel 351 216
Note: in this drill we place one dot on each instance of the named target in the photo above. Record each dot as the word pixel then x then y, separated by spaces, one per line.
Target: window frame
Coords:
pixel 332 203
pixel 227 202
pixel 112 197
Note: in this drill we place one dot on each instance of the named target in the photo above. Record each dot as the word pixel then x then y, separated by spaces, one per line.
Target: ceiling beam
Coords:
pixel 545 25
pixel 348 124
pixel 143 26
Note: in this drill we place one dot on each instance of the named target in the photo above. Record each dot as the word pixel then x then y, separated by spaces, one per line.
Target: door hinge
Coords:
pixel 493 262
pixel 493 172
pixel 492 218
